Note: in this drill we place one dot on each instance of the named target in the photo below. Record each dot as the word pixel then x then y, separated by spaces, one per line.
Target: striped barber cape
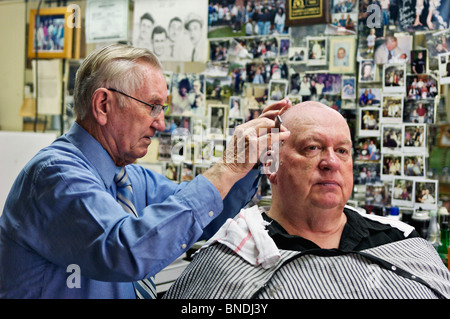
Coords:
pixel 405 269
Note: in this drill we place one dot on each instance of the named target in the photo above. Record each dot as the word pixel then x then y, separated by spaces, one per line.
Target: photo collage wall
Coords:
pixel 382 69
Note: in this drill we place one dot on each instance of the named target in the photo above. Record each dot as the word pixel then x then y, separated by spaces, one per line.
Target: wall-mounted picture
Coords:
pixel 317 50
pixel 393 49
pixel 414 166
pixel 367 149
pixel 235 107
pixel 426 194
pixel 298 54
pixel 307 12
pixel 217 120
pixel 444 136
pixel 419 61
pixel 391 138
pixel 403 192
pixel 394 78
pixel 392 109
pixel 367 71
pixel 414 138
pixel 188 94
pixel 444 67
pixel 49 35
pixel 370 97
pixel 419 111
pixel 421 87
pixel 172 171
pixel 369 119
pixel 348 87
pixel 277 89
pixel 342 54
pixel 392 166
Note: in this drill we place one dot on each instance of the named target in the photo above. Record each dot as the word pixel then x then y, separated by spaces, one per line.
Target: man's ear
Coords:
pixel 101 105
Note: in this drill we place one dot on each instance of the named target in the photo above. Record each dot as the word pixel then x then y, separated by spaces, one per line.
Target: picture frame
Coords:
pixel 369 121
pixel 217 120
pixel 426 194
pixel 403 191
pixel 317 50
pixel 392 108
pixel 342 54
pixel 307 12
pixel 57 46
pixel 415 138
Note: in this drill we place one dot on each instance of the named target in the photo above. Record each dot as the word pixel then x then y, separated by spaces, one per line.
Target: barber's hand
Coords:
pixel 253 138
pixel 246 145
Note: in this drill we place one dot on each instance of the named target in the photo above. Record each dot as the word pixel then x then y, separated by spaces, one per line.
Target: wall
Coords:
pixel 12 63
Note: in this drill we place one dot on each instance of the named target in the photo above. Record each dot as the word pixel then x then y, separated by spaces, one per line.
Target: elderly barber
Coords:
pixel 73 227
pixel 309 244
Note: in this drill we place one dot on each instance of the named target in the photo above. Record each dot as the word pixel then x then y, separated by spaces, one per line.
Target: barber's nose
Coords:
pixel 329 160
pixel 159 124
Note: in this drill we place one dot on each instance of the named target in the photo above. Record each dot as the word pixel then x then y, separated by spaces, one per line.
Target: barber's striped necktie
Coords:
pixel 145 289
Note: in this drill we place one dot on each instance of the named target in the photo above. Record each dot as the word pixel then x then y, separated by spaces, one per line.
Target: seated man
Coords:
pixel 309 244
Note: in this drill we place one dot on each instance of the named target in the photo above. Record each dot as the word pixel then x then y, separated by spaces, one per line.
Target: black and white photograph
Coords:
pixel 217 120
pixel 174 30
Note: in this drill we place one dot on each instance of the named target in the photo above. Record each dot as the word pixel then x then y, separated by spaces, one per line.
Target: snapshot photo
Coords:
pixel 369 119
pixel 426 194
pixel 403 192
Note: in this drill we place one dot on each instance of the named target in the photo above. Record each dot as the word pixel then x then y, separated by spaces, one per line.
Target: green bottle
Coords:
pixel 442 249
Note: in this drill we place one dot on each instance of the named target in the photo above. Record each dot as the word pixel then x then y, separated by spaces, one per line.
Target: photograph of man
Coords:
pixel 159 41
pixel 418 64
pixel 144 30
pixel 175 34
pixel 194 26
pixel 387 51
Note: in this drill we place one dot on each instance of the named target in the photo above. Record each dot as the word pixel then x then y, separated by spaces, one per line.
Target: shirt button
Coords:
pixel 183 246
pixel 211 214
pixel 413 277
pixel 394 268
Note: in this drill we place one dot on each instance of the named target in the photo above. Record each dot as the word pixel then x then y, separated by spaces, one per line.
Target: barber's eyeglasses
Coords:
pixel 155 108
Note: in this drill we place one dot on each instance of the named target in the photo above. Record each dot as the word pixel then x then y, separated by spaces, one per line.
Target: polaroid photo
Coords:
pixel 367 149
pixel 366 172
pixel 369 121
pixel 391 138
pixel 172 171
pixel 392 109
pixel 277 90
pixel 187 173
pixel 437 42
pixel 426 194
pixel 218 50
pixel 415 138
pixel 179 148
pixel 444 67
pixel 317 50
pixel 164 146
pixel 402 192
pixel 369 96
pixel 394 78
pixel 414 166
pixel 200 169
pixel 393 49
pixel 421 87
pixel 419 61
pixel 216 120
pixel 235 109
pixel 342 54
pixel 367 70
pixel 232 123
pixel 188 94
pixel 348 87
pixel 391 166
pixel 377 195
pixel 298 55
pixel 419 111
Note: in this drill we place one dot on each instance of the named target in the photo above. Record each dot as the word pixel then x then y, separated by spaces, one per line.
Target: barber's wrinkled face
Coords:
pixel 132 127
pixel 316 163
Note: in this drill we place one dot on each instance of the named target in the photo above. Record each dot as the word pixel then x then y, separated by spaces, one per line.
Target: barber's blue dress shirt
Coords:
pixel 62 211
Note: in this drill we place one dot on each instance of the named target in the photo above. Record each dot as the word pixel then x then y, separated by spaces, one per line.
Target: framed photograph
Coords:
pixel 392 109
pixel 50 34
pixel 426 194
pixel 444 136
pixel 217 120
pixel 342 54
pixel 317 50
pixel 403 192
pixel 394 78
pixel 415 138
pixel 307 12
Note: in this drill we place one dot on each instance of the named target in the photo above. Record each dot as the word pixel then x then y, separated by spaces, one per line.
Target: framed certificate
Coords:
pixel 302 12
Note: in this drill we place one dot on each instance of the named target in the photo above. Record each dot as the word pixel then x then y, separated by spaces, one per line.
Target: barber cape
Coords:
pixel 242 261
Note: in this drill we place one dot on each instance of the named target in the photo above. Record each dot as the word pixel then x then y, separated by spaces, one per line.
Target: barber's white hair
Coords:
pixel 112 66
